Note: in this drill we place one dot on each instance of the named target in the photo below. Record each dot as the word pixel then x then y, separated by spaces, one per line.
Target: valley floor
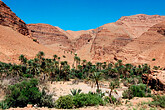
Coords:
pixel 63 88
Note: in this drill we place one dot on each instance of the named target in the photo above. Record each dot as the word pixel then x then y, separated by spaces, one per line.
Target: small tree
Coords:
pixel 97 76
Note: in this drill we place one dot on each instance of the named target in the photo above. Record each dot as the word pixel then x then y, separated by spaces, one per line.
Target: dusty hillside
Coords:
pixel 101 44
pixel 112 37
pixel 134 39
pixel 47 34
pixel 12 44
pixel 136 25
pixel 14 40
pixel 149 45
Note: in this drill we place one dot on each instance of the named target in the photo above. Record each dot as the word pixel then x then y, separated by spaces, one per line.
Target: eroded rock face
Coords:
pixel 8 18
pixel 149 45
pixel 119 40
pixel 48 35
pixel 136 25
pixel 108 43
pixel 83 40
pixel 156 80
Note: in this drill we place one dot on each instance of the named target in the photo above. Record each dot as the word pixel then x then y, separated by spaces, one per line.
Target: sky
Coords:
pixel 82 14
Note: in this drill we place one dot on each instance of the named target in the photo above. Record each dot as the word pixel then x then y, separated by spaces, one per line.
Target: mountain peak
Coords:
pixel 140 17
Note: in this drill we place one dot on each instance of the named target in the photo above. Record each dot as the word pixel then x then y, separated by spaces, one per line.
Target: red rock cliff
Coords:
pixel 8 18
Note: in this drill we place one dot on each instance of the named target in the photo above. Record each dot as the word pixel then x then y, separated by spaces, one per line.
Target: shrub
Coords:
pixel 46 100
pixel 75 91
pixel 3 105
pixel 140 90
pixel 156 67
pixel 127 94
pixel 159 101
pixel 64 102
pixel 28 75
pixel 153 59
pixel 25 93
pixel 89 99
pixel 106 99
pixel 135 80
pixel 111 99
pixel 35 40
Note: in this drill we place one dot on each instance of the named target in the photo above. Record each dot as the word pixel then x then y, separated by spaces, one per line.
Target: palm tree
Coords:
pixel 96 76
pixel 84 62
pixel 55 56
pixel 22 59
pixel 104 66
pixel 40 54
pixel 77 60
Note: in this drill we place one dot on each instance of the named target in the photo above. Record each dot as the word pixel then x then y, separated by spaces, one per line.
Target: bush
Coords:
pixel 28 75
pixel 111 99
pixel 25 93
pixel 89 99
pixel 127 94
pixel 140 90
pixel 75 91
pixel 153 59
pixel 3 105
pixel 159 101
pixel 46 100
pixel 64 102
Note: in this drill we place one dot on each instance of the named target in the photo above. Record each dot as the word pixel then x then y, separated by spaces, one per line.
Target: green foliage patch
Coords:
pixel 139 90
pixel 25 93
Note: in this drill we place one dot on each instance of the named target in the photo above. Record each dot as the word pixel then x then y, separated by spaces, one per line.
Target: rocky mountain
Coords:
pixel 150 45
pixel 8 18
pixel 134 39
pixel 14 40
pixel 101 44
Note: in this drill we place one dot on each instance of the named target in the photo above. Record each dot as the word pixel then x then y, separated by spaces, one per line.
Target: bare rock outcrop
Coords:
pixel 143 49
pixel 8 18
pixel 83 40
pixel 156 80
pixel 125 39
pixel 48 35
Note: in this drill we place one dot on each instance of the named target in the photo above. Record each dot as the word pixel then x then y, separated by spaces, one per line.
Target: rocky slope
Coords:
pixel 48 35
pixel 13 44
pixel 8 18
pixel 148 46
pixel 105 43
pixel 134 39
pixel 14 40
pixel 115 36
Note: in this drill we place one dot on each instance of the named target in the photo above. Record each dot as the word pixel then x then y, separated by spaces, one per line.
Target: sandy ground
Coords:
pixel 63 88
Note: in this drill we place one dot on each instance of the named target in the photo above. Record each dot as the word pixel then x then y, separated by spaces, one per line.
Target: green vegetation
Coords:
pixel 140 90
pixel 89 99
pixel 26 92
pixel 35 40
pixel 44 69
pixel 153 59
pixel 158 101
pixel 65 102
pixel 79 100
pixel 75 91
pixel 54 69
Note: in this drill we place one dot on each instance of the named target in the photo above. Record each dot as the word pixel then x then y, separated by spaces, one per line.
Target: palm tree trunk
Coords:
pixel 97 84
